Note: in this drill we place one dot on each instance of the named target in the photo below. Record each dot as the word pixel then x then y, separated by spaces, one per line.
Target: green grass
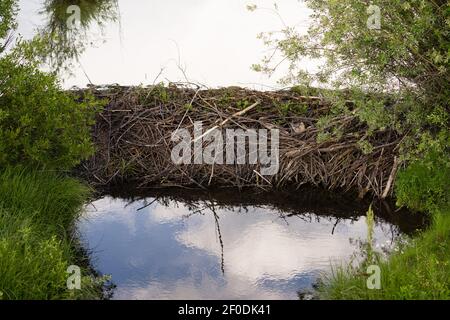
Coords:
pixel 421 270
pixel 37 210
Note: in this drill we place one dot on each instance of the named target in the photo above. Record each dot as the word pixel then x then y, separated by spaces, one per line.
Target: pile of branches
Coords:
pixel 133 140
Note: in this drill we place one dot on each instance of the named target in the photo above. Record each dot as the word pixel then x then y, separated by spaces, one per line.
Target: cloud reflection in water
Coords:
pixel 172 252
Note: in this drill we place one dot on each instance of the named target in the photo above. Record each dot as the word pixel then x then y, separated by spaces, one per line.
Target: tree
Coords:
pixel 66 32
pixel 40 124
pixel 8 9
pixel 407 58
pixel 391 57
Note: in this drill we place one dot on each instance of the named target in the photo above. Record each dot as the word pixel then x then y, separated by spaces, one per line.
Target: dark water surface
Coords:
pixel 228 244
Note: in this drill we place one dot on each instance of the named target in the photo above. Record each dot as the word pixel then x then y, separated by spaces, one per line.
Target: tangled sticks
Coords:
pixel 133 140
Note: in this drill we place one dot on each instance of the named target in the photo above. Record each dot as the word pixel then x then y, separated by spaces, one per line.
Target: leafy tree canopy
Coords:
pixel 405 61
pixel 8 9
pixel 40 124
pixel 66 31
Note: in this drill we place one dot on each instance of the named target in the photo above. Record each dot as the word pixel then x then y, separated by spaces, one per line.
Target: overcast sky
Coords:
pixel 215 41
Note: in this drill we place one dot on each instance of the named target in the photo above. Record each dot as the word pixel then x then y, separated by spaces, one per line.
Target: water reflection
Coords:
pixel 221 247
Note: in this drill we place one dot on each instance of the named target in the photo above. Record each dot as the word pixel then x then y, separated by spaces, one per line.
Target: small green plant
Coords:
pixel 158 92
pixel 300 109
pixel 285 108
pixel 8 11
pixel 225 99
pixel 290 107
pixel 304 90
pixel 324 122
pixel 323 137
pixel 163 94
pixel 370 221
pixel 242 104
pixel 64 43
pixel 365 146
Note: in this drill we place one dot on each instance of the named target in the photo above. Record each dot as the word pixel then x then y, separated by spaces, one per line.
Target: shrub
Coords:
pixel 396 73
pixel 425 184
pixel 40 125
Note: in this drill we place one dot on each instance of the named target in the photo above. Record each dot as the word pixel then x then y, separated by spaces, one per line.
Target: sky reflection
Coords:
pixel 172 252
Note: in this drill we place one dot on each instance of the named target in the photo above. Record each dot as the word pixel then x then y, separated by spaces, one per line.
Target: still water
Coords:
pixel 227 245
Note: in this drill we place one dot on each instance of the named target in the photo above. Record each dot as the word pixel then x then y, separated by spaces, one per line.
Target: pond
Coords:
pixel 228 244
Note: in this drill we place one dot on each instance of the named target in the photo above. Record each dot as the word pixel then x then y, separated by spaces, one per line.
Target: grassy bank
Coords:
pixel 421 270
pixel 37 210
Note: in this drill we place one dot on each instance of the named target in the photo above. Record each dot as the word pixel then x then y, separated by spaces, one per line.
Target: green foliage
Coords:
pixel 226 99
pixel 242 104
pixel 159 92
pixel 66 41
pixel 39 124
pixel 27 257
pixel 418 270
pixel 365 146
pixel 289 107
pixel 90 10
pixel 323 137
pixel 63 37
pixel 324 126
pixel 41 127
pixel 374 114
pixel 37 211
pixel 398 76
pixel 8 10
pixel 425 184
pixel 307 91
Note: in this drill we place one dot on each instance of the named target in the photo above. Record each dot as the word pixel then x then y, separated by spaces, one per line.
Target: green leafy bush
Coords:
pixel 425 184
pixel 40 125
pixel 396 73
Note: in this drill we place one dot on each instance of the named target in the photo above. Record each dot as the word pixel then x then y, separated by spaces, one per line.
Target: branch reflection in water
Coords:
pixel 228 244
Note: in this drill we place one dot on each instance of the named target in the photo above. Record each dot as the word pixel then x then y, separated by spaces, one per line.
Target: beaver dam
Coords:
pixel 134 140
pixel 181 230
